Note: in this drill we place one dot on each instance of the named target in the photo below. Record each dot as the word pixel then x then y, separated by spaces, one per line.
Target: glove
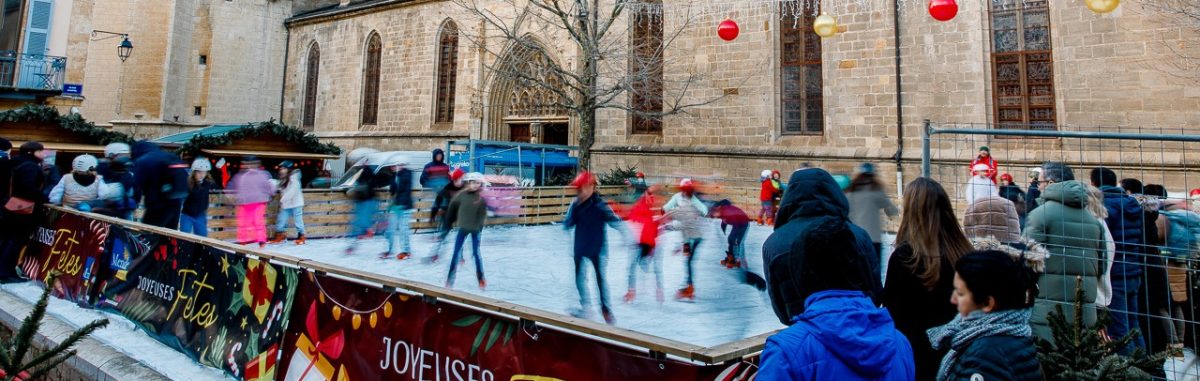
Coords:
pixel 84 207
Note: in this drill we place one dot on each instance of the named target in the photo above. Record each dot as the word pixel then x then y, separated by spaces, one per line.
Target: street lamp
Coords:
pixel 124 49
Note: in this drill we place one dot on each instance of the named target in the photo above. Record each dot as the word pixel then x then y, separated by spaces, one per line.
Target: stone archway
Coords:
pixel 521 111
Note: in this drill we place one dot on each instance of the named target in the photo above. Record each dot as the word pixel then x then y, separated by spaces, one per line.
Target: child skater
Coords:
pixel 194 217
pixel 291 203
pixel 468 211
pixel 642 216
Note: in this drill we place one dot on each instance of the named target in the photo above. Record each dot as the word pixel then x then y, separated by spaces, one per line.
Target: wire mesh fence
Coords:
pixel 1135 248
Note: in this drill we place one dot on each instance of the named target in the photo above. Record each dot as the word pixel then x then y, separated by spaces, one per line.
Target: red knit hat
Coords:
pixel 457 174
pixel 1194 192
pixel 583 179
pixel 1005 177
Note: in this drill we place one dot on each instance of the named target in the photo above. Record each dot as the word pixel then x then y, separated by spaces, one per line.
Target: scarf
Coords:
pixel 961 331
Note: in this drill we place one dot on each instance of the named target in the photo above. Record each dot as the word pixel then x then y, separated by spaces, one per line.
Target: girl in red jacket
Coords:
pixel 643 215
pixel 985 158
pixel 766 195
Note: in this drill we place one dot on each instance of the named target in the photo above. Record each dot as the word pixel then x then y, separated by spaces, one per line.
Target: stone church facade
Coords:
pixel 410 75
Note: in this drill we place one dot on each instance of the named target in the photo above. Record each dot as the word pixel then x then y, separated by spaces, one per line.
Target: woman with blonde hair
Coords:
pixel 1095 206
pixel 920 273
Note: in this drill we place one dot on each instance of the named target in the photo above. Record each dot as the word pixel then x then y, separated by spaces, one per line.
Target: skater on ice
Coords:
pixel 251 189
pixel 687 213
pixel 363 195
pixel 291 203
pixel 399 213
pixel 467 212
pixel 194 218
pixel 644 220
pixel 588 215
pixel 442 229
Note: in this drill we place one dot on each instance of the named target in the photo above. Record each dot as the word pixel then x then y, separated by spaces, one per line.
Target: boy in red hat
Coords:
pixel 444 196
pixel 588 214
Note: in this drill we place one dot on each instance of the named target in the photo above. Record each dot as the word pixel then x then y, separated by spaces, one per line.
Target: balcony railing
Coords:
pixel 31 72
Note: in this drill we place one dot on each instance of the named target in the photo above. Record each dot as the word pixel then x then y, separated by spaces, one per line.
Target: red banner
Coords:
pixel 345 331
pixel 70 244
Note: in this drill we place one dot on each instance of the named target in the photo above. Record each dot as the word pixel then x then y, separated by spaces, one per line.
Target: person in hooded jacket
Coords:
pixel 1075 240
pixel 251 189
pixel 443 228
pixel 152 167
pixel 994 217
pixel 1156 327
pixel 1012 192
pixel 434 177
pixel 1031 197
pixel 990 338
pixel 25 183
pixel 1127 223
pixel 821 285
pixel 920 272
pixel 365 204
pixel 399 213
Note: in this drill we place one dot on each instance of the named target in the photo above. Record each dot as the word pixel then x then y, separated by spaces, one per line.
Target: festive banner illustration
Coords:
pixel 71 245
pixel 345 331
pixel 225 310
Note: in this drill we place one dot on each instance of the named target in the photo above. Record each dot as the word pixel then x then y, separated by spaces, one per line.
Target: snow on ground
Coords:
pixel 122 335
pixel 533 266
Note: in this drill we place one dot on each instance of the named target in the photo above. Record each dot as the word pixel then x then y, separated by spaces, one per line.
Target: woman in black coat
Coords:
pixel 920 273
pixel 26 183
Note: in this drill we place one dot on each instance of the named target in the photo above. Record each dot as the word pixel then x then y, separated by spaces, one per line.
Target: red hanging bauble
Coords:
pixel 943 10
pixel 727 30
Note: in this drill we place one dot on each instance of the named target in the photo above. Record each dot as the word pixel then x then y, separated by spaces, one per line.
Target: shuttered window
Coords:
pixel 38 30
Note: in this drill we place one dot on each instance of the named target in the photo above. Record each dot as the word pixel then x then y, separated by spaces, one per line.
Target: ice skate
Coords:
pixel 658 295
pixel 402 256
pixel 279 238
pixel 430 259
pixel 630 296
pixel 686 294
pixel 300 240
pixel 483 284
pixel 608 317
pixel 580 313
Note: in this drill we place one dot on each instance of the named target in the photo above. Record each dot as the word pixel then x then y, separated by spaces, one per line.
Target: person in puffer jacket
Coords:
pixel 82 188
pixel 990 338
pixel 291 203
pixel 992 216
pixel 251 189
pixel 820 284
pixel 688 214
pixel 766 198
pixel 151 167
pixel 1075 240
pixel 1126 221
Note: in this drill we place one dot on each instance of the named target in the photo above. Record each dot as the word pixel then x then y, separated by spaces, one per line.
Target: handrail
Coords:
pixel 709 355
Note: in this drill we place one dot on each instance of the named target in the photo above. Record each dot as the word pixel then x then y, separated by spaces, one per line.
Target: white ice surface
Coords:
pixel 533 266
pixel 122 335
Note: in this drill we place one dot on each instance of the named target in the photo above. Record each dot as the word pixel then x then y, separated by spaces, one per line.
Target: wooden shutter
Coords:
pixel 1022 64
pixel 800 64
pixel 646 71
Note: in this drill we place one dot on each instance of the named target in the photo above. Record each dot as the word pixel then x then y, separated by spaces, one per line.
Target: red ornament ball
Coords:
pixel 943 10
pixel 727 30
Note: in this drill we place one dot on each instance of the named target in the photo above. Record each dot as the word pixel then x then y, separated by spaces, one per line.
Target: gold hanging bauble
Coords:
pixel 387 309
pixel 337 313
pixel 1102 6
pixel 356 322
pixel 825 25
pixel 374 319
pixel 321 297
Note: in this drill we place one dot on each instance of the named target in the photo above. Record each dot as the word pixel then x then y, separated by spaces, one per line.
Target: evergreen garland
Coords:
pixel 307 142
pixel 72 122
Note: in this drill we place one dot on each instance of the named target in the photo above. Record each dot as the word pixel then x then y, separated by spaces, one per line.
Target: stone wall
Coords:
pixel 163 80
pixel 1110 70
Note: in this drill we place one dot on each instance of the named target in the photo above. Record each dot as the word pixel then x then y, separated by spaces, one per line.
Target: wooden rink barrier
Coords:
pixel 653 346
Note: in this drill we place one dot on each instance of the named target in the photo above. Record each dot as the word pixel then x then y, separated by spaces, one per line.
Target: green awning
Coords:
pixel 184 137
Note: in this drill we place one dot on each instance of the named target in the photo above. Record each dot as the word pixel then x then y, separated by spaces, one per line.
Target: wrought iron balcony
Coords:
pixel 35 73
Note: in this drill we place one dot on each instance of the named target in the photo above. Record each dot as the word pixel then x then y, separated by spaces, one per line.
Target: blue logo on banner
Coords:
pixel 73 88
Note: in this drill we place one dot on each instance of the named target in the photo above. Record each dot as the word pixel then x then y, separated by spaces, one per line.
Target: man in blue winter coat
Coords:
pixel 1126 222
pixel 434 177
pixel 153 175
pixel 820 278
